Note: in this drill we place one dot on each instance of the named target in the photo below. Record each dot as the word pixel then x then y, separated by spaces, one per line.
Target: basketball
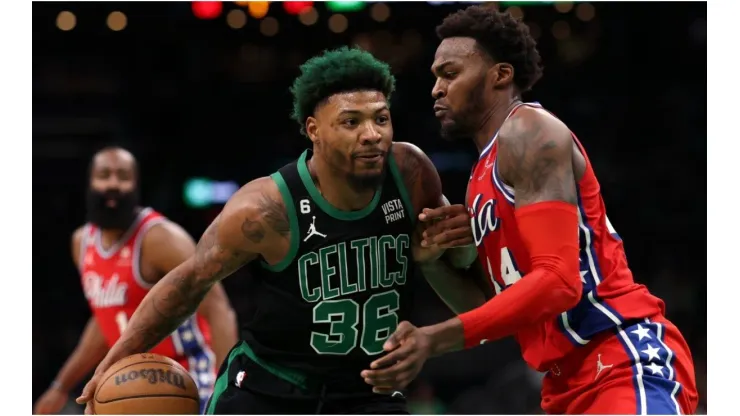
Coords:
pixel 146 384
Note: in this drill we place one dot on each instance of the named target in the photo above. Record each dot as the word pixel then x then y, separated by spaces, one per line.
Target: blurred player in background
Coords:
pixel 539 221
pixel 328 243
pixel 121 252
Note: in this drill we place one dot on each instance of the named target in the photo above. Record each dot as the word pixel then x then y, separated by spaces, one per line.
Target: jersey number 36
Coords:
pixel 379 320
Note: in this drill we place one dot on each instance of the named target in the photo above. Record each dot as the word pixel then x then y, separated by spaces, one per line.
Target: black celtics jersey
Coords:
pixel 342 289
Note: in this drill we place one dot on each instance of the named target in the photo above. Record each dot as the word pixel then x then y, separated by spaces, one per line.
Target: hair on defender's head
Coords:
pixel 503 37
pixel 337 71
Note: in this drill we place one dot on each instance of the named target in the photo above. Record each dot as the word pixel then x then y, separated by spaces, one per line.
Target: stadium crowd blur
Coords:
pixel 200 94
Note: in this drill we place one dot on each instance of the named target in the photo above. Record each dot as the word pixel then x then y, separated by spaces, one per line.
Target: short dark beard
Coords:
pixel 118 218
pixel 465 121
pixel 364 183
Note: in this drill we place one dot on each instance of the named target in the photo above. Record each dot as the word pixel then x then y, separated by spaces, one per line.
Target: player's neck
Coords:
pixel 492 121
pixel 336 190
pixel 109 237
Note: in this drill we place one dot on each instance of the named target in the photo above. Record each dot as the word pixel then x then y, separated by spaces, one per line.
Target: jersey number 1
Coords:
pixel 379 320
pixel 121 321
pixel 509 272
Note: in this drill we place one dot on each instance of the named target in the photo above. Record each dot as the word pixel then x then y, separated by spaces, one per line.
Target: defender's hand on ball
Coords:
pixel 407 350
pixel 88 392
pixel 447 226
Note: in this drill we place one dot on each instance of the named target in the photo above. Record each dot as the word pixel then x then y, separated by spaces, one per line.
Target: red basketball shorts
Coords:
pixel 643 367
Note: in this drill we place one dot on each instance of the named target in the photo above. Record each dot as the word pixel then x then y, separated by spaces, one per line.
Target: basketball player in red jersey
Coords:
pixel 562 283
pixel 121 252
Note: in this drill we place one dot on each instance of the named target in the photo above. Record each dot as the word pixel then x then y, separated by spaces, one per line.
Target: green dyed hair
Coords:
pixel 337 71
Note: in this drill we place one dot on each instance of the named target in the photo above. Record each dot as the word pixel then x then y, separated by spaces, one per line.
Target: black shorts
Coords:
pixel 248 385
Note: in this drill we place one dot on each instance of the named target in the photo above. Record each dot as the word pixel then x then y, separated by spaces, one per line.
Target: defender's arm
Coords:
pixel 535 157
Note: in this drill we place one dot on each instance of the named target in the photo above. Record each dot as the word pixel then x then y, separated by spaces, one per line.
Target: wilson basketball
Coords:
pixel 146 384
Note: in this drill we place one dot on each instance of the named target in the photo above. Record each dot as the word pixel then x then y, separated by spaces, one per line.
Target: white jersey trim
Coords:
pixel 106 254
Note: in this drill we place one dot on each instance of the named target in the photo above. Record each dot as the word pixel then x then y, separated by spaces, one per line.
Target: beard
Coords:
pixel 366 182
pixel 119 217
pixel 463 124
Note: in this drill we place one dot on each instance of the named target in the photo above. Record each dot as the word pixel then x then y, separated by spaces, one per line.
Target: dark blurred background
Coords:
pixel 199 93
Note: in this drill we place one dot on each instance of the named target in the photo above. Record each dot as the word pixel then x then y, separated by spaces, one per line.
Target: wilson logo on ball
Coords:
pixel 153 376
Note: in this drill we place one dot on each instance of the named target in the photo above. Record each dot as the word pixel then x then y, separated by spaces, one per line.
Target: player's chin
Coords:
pixel 368 178
pixel 449 130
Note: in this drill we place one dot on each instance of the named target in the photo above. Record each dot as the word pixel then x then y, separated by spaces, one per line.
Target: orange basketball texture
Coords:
pixel 146 384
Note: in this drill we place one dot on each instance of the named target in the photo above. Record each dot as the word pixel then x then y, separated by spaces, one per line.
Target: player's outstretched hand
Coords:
pixel 89 391
pixel 447 226
pixel 51 402
pixel 407 350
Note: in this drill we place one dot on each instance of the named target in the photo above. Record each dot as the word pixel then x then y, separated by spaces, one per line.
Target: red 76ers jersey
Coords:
pixel 610 296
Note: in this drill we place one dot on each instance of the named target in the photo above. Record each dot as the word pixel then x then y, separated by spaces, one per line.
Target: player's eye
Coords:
pixel 450 74
pixel 382 119
pixel 350 122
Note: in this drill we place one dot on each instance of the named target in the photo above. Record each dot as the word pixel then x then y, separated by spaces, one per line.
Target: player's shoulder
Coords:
pixel 78 234
pixel 164 231
pixel 419 175
pixel 257 197
pixel 530 123
pixel 528 136
pixel 411 161
pixel 405 151
pixel 254 204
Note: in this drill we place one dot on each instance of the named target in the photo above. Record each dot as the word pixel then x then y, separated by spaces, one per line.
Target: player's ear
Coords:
pixel 312 129
pixel 503 74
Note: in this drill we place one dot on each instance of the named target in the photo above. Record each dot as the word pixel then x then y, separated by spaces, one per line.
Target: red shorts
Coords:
pixel 644 367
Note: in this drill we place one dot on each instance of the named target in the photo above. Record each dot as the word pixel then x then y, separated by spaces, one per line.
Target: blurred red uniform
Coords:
pixel 114 288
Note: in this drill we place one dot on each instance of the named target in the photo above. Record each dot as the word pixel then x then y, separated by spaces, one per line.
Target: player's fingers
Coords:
pixel 87 392
pixel 460 242
pixel 89 409
pixel 451 235
pixel 380 381
pixel 382 364
pixel 402 331
pixel 387 390
pixel 428 214
pixel 454 223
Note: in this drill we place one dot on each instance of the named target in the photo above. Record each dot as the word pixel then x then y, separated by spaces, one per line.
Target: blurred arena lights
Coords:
pixel 309 17
pixel 380 12
pixel 207 9
pixel 345 6
pixel 585 11
pixel 236 19
pixel 519 3
pixel 117 21
pixel 269 27
pixel 560 30
pixel 66 20
pixel 242 3
pixel 563 6
pixel 258 9
pixel 338 23
pixel 515 12
pixel 297 7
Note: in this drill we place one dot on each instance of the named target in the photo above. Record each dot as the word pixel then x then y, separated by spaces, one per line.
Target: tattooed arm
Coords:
pixel 535 157
pixel 252 223
pixel 166 246
pixel 444 274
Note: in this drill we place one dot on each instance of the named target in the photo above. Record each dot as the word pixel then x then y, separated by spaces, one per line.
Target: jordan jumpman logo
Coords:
pixel 312 230
pixel 600 367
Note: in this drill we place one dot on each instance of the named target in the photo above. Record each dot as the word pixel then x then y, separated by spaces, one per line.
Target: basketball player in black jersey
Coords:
pixel 328 243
